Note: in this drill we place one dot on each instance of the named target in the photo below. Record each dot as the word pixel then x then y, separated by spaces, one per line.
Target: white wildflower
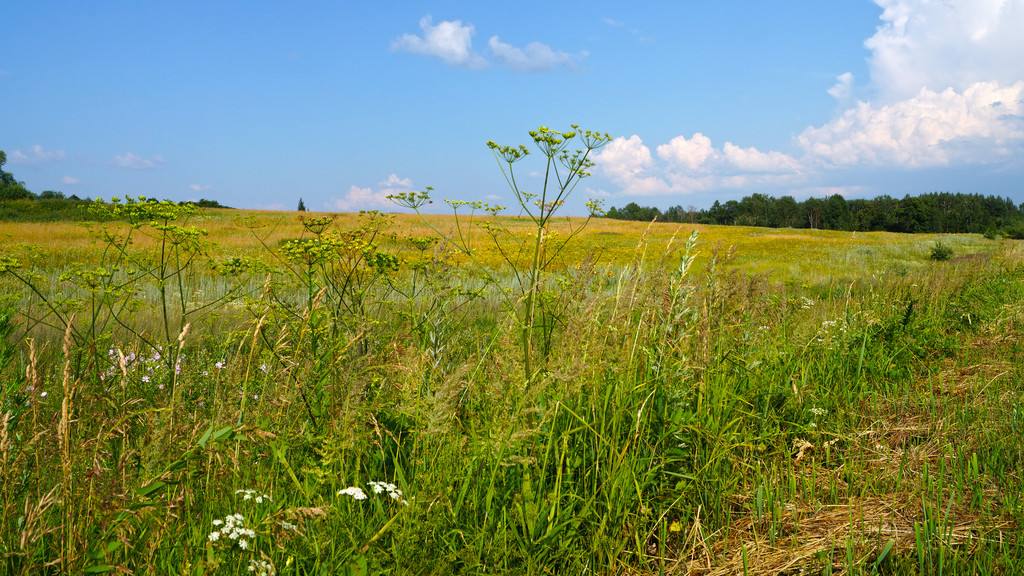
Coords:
pixel 248 494
pixel 145 379
pixel 219 365
pixel 43 394
pixel 354 491
pixel 393 492
pixel 233 528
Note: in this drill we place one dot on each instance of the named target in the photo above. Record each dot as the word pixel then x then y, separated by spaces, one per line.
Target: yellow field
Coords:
pixel 786 255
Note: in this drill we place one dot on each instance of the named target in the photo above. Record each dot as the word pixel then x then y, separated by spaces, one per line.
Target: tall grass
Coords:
pixel 688 419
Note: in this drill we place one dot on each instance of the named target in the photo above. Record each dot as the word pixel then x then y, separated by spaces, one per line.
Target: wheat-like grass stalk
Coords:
pixel 64 438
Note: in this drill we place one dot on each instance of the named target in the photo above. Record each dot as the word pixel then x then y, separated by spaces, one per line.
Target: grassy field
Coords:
pixel 349 397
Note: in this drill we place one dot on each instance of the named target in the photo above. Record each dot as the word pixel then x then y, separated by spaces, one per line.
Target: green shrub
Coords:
pixel 941 251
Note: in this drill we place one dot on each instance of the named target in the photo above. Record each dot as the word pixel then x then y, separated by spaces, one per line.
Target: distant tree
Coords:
pixel 11 189
pixel 302 206
pixel 205 203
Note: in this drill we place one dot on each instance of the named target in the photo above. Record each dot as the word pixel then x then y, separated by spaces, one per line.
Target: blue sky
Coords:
pixel 257 104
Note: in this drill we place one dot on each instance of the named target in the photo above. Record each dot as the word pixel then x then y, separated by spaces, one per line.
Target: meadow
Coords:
pixel 237 392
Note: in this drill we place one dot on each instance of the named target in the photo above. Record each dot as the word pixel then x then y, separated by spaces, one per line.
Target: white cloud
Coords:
pixel 367 198
pixel 393 182
pixel 36 155
pixel 135 162
pixel 980 123
pixel 843 87
pixel 532 57
pixel 948 84
pixel 753 160
pixel 69 180
pixel 690 153
pixel 449 40
pixel 946 88
pixel 626 161
pixel 692 165
pixel 947 44
pixel 198 187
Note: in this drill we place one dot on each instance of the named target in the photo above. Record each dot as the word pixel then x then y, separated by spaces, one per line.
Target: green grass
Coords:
pixel 739 415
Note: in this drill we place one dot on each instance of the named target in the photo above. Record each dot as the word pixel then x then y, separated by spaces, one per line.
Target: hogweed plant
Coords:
pixel 567 157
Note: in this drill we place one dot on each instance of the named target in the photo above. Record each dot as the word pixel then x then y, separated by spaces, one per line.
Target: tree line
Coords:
pixel 933 212
pixel 17 202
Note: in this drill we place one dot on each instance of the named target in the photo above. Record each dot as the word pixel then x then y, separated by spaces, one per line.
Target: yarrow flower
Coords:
pixel 391 489
pixel 232 527
pixel 253 495
pixel 354 491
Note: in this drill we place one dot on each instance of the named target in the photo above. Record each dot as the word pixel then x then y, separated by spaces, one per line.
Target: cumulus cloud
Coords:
pixel 753 160
pixel 199 187
pixel 135 162
pixel 372 198
pixel 69 180
pixel 449 40
pixel 948 88
pixel 627 162
pixel 692 165
pixel 37 154
pixel 949 44
pixel 691 153
pixel 532 57
pixel 843 87
pixel 981 123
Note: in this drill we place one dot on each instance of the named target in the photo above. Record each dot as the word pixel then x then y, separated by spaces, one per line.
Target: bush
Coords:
pixel 941 252
pixel 1015 232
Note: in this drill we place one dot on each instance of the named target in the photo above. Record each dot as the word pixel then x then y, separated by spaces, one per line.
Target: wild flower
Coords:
pixel 248 494
pixel 264 368
pixel 145 379
pixel 43 394
pixel 392 490
pixel 232 527
pixel 261 568
pixel 818 411
pixel 219 365
pixel 354 491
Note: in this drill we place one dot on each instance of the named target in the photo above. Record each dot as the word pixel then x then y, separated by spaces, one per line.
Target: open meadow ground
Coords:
pixel 235 392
